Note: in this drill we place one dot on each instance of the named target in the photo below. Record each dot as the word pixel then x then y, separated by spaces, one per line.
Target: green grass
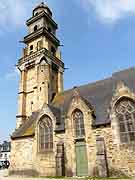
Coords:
pixel 83 178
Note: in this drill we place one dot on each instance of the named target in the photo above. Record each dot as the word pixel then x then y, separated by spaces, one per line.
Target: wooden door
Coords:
pixel 81 159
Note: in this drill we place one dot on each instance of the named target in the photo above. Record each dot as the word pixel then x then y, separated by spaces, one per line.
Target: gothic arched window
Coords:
pixel 78 123
pixel 45 134
pixel 125 112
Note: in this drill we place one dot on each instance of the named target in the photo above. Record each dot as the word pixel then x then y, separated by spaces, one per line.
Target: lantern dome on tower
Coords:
pixel 42 7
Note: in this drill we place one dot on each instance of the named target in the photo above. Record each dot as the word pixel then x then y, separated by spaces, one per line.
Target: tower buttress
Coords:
pixel 41 67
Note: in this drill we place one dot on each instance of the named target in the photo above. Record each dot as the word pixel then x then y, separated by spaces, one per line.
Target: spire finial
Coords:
pixel 43 2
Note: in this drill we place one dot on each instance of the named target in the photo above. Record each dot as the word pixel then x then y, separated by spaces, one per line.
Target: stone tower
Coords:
pixel 41 67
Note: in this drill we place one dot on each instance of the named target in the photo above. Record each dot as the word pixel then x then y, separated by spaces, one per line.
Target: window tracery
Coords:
pixel 78 123
pixel 125 112
pixel 45 134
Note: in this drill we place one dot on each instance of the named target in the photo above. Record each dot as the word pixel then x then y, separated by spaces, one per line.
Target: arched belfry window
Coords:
pixel 78 120
pixel 35 28
pixel 125 113
pixel 45 134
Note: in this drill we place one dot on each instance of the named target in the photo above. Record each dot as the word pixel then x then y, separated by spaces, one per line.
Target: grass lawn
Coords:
pixel 87 178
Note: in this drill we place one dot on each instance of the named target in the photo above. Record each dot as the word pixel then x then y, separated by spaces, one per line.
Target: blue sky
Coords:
pixel 98 38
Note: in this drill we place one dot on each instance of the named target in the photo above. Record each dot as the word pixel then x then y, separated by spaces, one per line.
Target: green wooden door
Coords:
pixel 81 159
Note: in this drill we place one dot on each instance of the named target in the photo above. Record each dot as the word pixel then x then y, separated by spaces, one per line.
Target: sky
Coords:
pixel 98 38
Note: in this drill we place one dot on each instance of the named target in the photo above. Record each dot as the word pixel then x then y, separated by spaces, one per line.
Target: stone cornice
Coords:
pixel 22 92
pixel 31 59
pixel 21 116
pixel 121 91
pixel 40 15
pixel 40 32
pixel 61 69
pixel 23 137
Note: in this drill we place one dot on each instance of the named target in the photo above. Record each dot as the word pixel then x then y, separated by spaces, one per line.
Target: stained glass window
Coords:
pixel 78 123
pixel 125 112
pixel 45 134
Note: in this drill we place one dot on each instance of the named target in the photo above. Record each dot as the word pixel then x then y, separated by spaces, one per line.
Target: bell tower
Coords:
pixel 41 67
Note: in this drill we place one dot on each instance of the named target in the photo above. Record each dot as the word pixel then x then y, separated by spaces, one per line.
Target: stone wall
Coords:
pixel 21 156
pixel 120 157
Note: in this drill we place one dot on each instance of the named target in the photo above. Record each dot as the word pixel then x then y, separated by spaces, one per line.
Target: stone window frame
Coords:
pixel 121 111
pixel 39 45
pixel 45 134
pixel 79 133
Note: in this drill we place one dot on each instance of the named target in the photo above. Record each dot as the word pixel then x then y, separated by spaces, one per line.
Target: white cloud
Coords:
pixel 110 11
pixel 14 12
pixel 12 75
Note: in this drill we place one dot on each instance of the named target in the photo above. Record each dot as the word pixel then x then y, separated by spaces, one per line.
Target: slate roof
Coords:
pixel 28 128
pixel 98 94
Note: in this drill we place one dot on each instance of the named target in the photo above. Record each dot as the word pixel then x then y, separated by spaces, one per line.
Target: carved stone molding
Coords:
pixel 38 55
pixel 121 91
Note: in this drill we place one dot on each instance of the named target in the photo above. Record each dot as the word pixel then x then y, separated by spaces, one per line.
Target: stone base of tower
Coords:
pixel 24 161
pixel 22 157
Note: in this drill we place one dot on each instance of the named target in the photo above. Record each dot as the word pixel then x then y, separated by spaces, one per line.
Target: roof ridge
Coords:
pixel 123 71
pixel 98 81
pixel 80 86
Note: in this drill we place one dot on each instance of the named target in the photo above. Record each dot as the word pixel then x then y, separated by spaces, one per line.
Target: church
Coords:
pixel 85 131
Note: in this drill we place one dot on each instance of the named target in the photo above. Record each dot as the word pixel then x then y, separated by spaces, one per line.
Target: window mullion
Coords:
pixel 126 127
pixel 44 138
pixel 79 121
